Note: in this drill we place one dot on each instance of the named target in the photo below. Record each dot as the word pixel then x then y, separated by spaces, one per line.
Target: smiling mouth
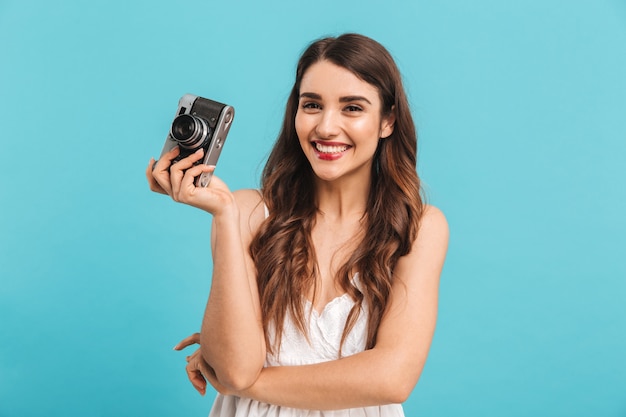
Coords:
pixel 330 149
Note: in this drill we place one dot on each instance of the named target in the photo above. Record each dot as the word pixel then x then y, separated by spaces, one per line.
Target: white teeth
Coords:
pixel 330 149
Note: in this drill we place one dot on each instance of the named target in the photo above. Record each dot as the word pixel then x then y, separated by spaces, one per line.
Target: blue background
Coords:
pixel 521 110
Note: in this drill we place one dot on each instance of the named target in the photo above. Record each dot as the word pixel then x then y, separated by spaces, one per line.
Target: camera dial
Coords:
pixel 190 132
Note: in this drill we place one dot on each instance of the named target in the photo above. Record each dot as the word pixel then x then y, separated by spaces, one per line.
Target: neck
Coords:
pixel 341 201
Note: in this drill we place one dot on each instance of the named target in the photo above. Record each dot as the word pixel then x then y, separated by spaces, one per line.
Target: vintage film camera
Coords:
pixel 199 123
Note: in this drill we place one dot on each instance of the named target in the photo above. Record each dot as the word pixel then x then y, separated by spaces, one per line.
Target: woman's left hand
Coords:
pixel 198 370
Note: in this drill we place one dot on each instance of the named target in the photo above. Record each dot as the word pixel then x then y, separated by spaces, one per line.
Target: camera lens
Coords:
pixel 189 131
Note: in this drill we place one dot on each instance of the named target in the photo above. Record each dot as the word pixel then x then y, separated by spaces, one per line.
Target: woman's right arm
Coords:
pixel 232 337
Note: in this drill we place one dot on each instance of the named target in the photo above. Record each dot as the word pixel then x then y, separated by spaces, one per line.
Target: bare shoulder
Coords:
pixel 247 198
pixel 428 251
pixel 433 225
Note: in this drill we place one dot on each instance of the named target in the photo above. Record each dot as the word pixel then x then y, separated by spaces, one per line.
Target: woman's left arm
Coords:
pixel 388 372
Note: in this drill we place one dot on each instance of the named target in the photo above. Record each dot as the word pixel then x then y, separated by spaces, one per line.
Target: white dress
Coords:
pixel 325 332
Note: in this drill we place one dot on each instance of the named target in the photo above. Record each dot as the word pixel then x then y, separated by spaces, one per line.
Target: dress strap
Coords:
pixel 267 211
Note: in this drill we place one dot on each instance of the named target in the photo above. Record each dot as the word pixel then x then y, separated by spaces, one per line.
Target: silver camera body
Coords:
pixel 199 123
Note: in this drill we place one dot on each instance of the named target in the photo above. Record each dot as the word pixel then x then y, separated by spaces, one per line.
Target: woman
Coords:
pixel 325 283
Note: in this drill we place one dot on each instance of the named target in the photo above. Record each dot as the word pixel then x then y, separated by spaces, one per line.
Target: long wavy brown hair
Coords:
pixel 282 249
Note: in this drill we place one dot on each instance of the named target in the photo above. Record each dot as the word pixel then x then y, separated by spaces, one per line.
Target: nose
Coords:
pixel 328 125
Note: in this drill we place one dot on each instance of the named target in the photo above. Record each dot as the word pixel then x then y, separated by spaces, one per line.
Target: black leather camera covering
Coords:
pixel 203 107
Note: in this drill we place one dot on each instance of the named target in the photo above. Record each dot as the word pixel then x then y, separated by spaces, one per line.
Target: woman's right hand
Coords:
pixel 178 181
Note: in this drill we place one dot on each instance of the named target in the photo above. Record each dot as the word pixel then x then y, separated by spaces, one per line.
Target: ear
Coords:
pixel 387 124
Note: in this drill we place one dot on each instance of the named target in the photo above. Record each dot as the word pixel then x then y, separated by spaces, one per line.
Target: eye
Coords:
pixel 353 108
pixel 311 105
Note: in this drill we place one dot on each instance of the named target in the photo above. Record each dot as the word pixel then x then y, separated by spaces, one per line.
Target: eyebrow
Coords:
pixel 345 99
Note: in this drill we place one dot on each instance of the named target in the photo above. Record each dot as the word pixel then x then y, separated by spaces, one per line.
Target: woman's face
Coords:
pixel 339 122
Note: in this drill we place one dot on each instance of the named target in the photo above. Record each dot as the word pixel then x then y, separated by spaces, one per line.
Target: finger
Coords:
pixel 188 341
pixel 178 170
pixel 172 153
pixel 164 163
pixel 196 357
pixel 188 183
pixel 186 189
pixel 152 182
pixel 161 169
pixel 196 379
pixel 188 161
pixel 199 169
